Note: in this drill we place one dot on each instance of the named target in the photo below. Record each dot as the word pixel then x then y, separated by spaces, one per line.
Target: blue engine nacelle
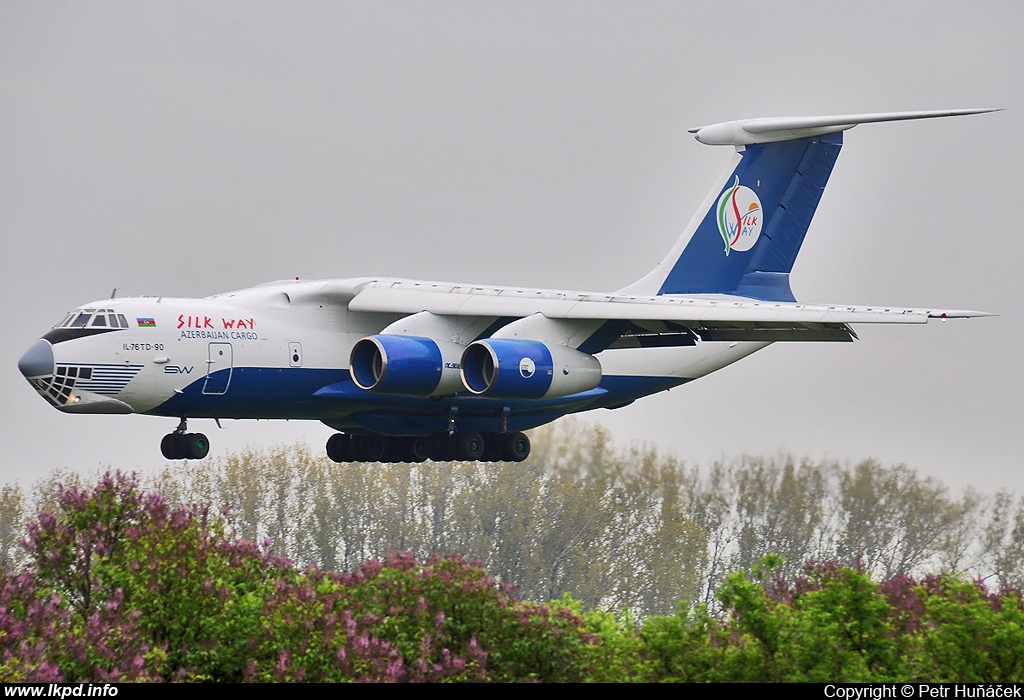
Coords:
pixel 406 365
pixel 510 368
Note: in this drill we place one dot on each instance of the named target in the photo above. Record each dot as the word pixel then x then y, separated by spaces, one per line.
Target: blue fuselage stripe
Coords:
pixel 326 394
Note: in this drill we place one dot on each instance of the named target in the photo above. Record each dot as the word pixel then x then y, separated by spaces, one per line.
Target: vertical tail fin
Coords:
pixel 747 242
pixel 745 237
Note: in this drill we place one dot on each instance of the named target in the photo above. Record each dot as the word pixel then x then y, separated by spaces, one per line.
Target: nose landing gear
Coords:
pixel 182 445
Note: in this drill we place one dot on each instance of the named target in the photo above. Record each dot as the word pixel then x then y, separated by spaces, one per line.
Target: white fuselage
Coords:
pixel 265 352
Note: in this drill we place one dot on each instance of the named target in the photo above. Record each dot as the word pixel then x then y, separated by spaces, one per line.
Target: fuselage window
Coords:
pixel 123 320
pixel 98 320
pixel 81 321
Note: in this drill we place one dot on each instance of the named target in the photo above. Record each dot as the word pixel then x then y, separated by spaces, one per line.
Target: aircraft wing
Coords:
pixel 466 300
pixel 722 318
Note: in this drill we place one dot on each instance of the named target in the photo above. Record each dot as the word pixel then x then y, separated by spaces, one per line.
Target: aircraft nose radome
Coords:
pixel 38 360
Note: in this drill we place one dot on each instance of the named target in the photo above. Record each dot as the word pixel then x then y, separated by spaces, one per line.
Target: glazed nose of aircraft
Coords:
pixel 38 360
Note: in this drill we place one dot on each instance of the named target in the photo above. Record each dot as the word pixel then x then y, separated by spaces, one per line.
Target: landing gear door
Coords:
pixel 219 368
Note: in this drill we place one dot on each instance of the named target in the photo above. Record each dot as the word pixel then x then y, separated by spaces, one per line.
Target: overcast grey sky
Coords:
pixel 191 148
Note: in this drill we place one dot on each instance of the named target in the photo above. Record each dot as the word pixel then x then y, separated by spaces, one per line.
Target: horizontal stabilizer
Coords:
pixel 744 132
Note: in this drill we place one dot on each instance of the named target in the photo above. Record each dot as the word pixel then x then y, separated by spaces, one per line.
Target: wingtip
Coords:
pixel 960 313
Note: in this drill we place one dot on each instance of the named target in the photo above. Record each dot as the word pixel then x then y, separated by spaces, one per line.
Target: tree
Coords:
pixel 12 524
pixel 894 520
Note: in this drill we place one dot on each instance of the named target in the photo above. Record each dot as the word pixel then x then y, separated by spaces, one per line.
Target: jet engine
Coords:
pixel 406 365
pixel 527 369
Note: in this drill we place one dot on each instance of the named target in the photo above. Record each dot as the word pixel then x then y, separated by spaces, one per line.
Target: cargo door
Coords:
pixel 218 369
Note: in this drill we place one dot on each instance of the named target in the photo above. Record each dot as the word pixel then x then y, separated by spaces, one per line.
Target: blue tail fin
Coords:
pixel 745 237
pixel 748 239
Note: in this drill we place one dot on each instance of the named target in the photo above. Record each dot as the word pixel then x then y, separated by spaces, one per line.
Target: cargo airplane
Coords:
pixel 410 370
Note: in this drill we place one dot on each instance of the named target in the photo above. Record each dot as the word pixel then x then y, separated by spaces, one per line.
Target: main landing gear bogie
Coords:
pixel 183 445
pixel 468 445
pixel 376 448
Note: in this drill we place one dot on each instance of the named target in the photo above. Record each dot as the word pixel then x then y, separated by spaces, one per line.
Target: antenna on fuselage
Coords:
pixel 113 293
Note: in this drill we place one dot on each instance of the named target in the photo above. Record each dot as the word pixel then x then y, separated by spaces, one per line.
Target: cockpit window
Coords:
pixel 93 318
pixel 86 322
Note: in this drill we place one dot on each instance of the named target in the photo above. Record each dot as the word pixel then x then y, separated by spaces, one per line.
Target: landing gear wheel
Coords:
pixel 369 448
pixel 194 446
pixel 440 447
pixel 169 446
pixel 493 448
pixel 469 445
pixel 414 449
pixel 338 448
pixel 393 450
pixel 418 449
pixel 517 447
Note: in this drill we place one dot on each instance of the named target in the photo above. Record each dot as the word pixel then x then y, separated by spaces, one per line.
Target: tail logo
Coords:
pixel 739 217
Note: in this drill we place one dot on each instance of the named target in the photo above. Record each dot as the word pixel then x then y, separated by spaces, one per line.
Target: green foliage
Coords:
pixel 694 646
pixel 833 624
pixel 124 584
pixel 121 586
pixel 175 572
pixel 970 635
pixel 444 619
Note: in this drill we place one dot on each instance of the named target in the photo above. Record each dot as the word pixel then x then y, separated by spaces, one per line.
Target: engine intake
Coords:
pixel 527 369
pixel 406 365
